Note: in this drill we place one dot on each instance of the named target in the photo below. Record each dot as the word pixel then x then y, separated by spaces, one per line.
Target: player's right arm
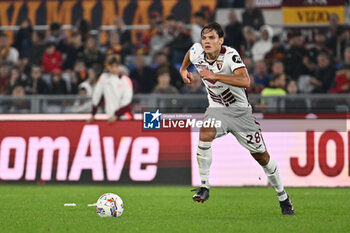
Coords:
pixel 186 76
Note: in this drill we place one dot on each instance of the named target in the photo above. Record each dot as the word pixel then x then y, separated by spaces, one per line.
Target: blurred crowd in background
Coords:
pixel 48 62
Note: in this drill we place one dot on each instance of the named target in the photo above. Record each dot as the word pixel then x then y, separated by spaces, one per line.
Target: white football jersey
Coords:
pixel 117 92
pixel 221 94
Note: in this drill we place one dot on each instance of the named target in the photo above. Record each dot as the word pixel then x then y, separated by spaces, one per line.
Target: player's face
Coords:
pixel 211 42
pixel 114 69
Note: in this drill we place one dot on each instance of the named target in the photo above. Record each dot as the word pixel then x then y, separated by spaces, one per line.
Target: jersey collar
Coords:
pixel 222 52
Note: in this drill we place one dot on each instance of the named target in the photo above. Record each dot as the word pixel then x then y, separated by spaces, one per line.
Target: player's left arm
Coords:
pixel 240 77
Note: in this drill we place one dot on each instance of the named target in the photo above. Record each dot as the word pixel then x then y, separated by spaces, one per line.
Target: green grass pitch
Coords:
pixel 31 208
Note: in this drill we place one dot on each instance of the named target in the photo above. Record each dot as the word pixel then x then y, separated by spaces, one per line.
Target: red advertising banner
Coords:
pixel 73 151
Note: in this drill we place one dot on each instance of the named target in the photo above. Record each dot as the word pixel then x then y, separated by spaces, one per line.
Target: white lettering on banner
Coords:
pixel 19 145
pixel 90 136
pixel 114 166
pixel 139 157
pixel 48 145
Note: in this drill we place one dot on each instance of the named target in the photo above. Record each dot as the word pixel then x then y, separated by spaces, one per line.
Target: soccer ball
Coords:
pixel 110 205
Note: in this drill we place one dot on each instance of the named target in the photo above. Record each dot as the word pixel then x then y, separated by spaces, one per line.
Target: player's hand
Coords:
pixel 186 76
pixel 207 74
pixel 91 119
pixel 112 119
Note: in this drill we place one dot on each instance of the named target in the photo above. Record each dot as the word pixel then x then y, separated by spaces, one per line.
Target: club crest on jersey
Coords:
pixel 236 59
pixel 219 64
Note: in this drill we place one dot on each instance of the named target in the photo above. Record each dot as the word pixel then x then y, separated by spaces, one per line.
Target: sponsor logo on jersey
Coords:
pixel 236 59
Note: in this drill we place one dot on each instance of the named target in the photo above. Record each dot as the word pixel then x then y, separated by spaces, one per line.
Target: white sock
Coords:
pixel 273 175
pixel 204 161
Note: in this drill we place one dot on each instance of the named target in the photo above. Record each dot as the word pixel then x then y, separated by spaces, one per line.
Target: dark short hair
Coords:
pixel 163 70
pixel 50 44
pixel 112 59
pixel 213 26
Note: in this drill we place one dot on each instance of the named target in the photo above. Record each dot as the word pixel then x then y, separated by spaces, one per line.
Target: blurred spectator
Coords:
pixel 160 39
pixel 252 16
pixel 82 26
pixel 23 38
pixel 324 75
pixel 144 46
pixel 199 22
pixel 144 79
pixel 37 49
pixel 24 68
pixel 115 48
pixel 7 53
pixel 294 105
pixel 124 35
pixel 338 42
pixel 278 68
pixel 19 105
pixel 342 81
pixel 275 88
pixel 92 54
pixel 58 37
pixel 92 77
pixel 297 62
pixel 254 88
pixel 75 51
pixel 4 77
pixel 333 24
pixel 318 47
pixel 52 59
pixel 233 31
pixel 277 52
pixel 180 44
pixel 16 79
pixel 264 44
pixel 83 105
pixel 162 62
pixel 171 25
pixel 346 57
pixel 249 64
pixel 79 75
pixel 59 86
pixel 249 40
pixel 163 86
pixel 196 87
pixel 36 85
pixel 261 75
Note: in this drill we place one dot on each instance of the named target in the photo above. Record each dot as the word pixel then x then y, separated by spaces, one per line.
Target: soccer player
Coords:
pixel 116 89
pixel 225 77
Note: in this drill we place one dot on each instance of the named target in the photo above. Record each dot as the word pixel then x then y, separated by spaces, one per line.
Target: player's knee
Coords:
pixel 207 136
pixel 262 158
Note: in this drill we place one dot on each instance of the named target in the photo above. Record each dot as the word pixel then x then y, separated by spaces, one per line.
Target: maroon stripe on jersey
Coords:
pixel 238 68
pixel 223 50
pixel 225 92
pixel 230 98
